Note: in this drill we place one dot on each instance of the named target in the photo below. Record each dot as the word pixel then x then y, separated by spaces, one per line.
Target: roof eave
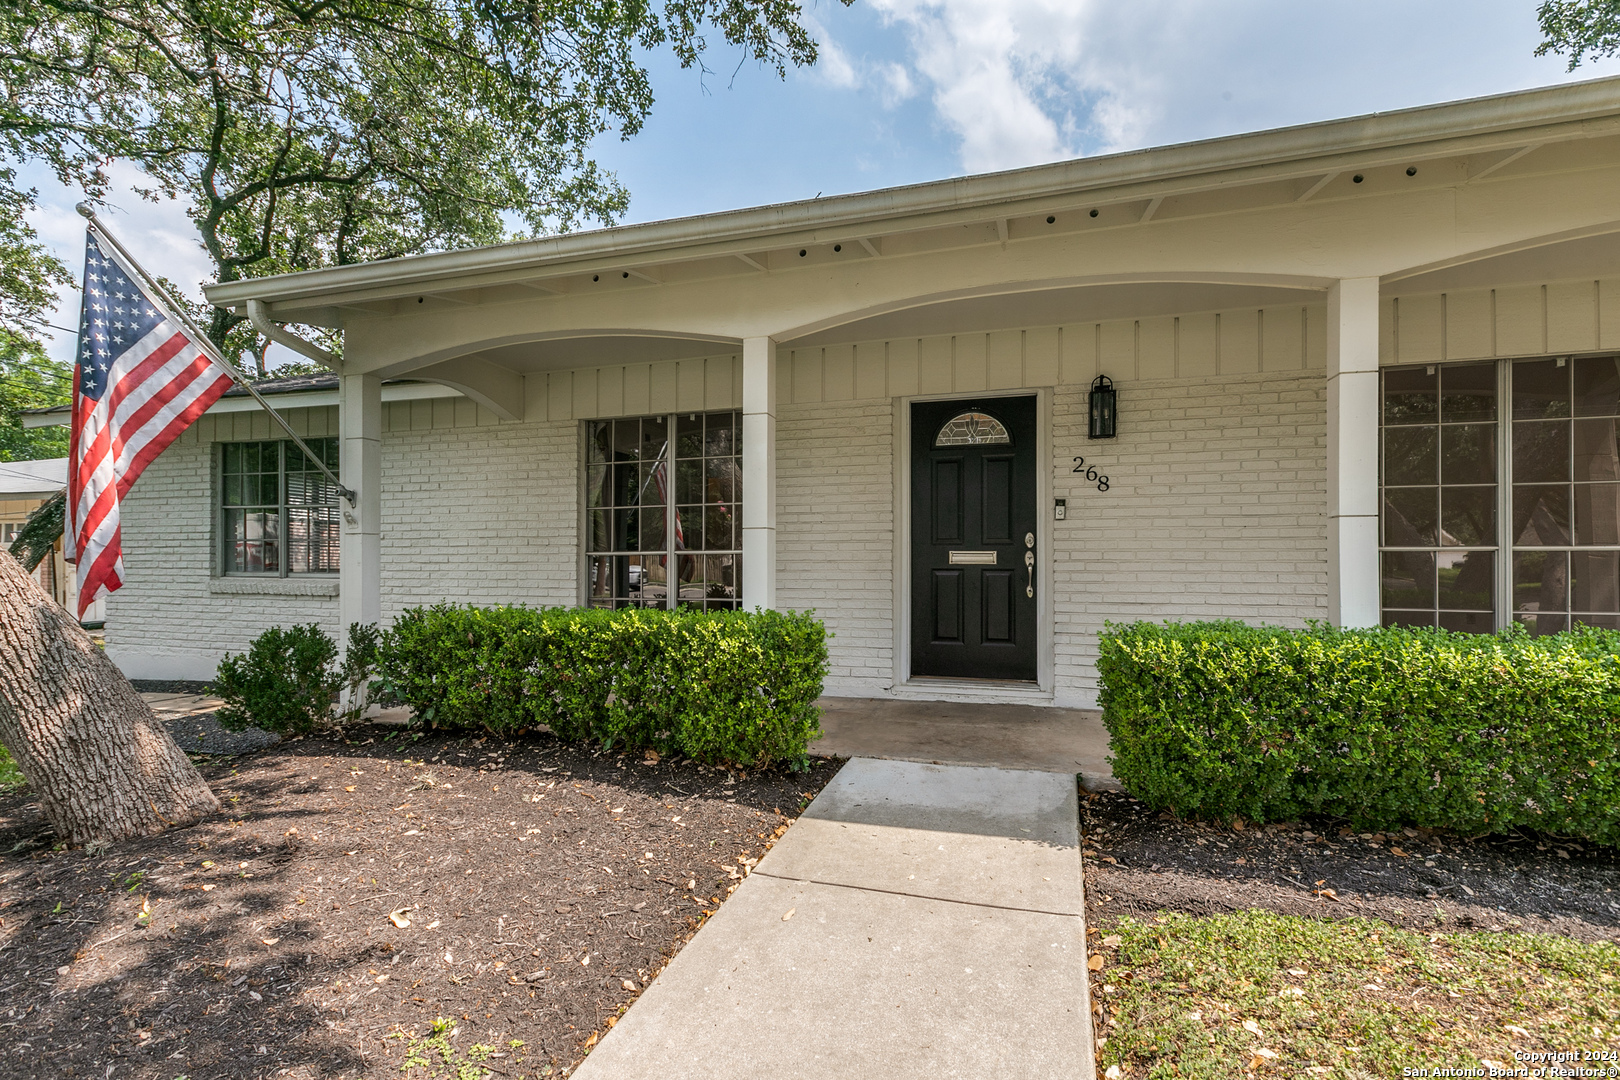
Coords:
pixel 1567 106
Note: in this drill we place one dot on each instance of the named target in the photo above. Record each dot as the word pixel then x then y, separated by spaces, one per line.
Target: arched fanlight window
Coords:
pixel 972 429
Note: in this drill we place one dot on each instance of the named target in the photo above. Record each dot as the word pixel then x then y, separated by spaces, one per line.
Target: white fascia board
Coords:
pixel 1570 111
pixel 306 399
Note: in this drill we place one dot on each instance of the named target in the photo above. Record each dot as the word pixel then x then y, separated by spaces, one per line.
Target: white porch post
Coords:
pixel 759 473
pixel 360 468
pixel 1352 434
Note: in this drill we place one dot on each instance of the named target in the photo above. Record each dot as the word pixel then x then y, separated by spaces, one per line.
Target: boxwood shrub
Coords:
pixel 1478 733
pixel 732 687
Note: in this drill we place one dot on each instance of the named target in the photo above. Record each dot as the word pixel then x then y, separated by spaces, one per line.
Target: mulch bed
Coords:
pixel 543 886
pixel 1139 863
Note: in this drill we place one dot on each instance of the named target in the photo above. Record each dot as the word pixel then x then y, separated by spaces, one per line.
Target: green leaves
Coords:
pixel 1579 27
pixel 733 687
pixel 319 134
pixel 1394 727
pixel 285 682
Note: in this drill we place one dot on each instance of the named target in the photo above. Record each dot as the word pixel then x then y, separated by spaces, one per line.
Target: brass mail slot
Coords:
pixel 973 558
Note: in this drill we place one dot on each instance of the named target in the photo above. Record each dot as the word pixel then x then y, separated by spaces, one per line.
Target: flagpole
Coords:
pixel 206 345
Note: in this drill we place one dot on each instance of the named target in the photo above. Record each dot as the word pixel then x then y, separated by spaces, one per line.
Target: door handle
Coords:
pixel 1029 564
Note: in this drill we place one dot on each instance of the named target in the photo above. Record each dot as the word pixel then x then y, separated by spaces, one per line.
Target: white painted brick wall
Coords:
pixel 1216 508
pixel 835 533
pixel 481 515
pixel 473 514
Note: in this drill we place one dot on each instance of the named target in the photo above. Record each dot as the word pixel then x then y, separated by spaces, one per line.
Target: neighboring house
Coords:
pixel 876 406
pixel 24 485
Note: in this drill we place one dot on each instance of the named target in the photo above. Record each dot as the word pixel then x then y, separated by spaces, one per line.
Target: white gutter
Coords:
pixel 281 335
pixel 1471 126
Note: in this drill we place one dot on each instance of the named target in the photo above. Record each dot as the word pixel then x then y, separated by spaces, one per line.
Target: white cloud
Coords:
pixel 993 65
pixel 159 234
pixel 1019 82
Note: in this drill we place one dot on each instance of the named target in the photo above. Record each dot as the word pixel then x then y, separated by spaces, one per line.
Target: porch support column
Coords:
pixel 759 473
pixel 360 467
pixel 1352 437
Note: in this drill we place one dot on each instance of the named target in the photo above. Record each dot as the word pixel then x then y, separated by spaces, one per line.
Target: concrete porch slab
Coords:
pixel 1037 737
pixel 852 951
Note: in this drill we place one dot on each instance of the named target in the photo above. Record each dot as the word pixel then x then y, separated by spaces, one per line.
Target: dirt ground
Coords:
pixel 1139 863
pixel 352 894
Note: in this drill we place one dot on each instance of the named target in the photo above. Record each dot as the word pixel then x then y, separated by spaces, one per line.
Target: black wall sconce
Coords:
pixel 1102 408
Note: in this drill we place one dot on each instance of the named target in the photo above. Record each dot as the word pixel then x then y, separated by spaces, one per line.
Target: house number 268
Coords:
pixel 1090 473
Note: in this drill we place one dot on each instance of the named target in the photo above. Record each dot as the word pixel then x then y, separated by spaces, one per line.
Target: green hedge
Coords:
pixel 1478 733
pixel 734 687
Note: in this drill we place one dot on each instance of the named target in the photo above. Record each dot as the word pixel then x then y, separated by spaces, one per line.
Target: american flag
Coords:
pixel 141 379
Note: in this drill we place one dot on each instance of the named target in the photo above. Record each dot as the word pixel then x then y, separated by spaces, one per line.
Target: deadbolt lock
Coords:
pixel 1029 540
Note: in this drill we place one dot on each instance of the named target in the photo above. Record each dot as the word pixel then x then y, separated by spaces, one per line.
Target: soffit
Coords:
pixel 1462 142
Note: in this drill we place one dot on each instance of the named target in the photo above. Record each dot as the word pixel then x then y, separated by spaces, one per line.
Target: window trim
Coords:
pixel 220 560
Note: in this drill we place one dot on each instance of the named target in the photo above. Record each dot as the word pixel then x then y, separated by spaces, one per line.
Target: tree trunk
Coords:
pixel 102 765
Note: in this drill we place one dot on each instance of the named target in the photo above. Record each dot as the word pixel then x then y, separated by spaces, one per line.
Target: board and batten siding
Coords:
pixel 1518 320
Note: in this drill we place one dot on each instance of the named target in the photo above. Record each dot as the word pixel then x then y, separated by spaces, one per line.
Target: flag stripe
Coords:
pixel 141 380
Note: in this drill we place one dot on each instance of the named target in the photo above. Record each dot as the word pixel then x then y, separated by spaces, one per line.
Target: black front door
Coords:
pixel 973 582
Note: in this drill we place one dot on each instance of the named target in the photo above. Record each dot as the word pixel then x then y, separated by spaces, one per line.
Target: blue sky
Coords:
pixel 914 90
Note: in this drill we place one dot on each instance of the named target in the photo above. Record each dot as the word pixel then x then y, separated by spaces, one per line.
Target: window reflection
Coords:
pixel 664 510
pixel 1439 479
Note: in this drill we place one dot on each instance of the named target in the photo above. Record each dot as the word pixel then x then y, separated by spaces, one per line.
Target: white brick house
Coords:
pixel 1272 309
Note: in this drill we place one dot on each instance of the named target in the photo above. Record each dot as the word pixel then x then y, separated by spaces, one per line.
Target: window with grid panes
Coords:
pixel 279 512
pixel 1566 492
pixel 654 543
pixel 1439 497
pixel 1554 444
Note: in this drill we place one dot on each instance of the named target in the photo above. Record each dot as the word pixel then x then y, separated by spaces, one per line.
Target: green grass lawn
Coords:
pixel 10 779
pixel 1254 994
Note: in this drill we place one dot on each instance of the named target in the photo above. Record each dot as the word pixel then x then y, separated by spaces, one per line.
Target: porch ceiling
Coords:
pixel 1577 258
pixel 1050 307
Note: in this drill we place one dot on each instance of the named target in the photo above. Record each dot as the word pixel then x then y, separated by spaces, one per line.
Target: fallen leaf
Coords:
pixel 381 979
pixel 1096 962
pixel 590 1042
pixel 586 962
pixel 1292 991
pixel 1518 1031
pixel 349 788
pixel 208 864
pixel 1113 941
pixel 1251 1027
pixel 398 918
pixel 789 914
pixel 627 984
pixel 651 758
pixel 270 940
pixel 206 888
pixel 1113 1073
pixel 1196 1014
pixel 1467 890
pixel 1393 850
pixel 1262 1052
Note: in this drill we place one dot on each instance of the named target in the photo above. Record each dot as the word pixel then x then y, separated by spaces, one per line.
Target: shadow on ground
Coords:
pixel 542 886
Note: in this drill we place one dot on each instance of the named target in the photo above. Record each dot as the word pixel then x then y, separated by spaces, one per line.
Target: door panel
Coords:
pixel 947 504
pixel 972 508
pixel 997 488
pixel 947 605
pixel 998 606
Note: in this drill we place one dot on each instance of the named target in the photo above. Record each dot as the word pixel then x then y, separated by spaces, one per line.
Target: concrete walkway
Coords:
pixel 916 921
pixel 954 733
pixel 171 706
